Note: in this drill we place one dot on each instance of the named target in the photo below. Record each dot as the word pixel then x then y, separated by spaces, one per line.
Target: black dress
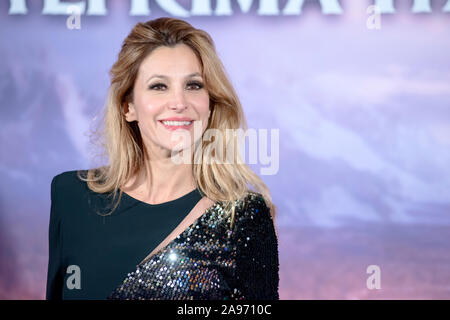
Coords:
pixel 95 257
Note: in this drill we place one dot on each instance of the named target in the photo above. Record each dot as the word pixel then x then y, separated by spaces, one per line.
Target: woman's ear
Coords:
pixel 129 111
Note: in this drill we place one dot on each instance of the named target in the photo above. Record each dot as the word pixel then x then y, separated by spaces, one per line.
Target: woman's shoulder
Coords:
pixel 253 208
pixel 67 194
pixel 69 180
pixel 69 177
pixel 67 185
pixel 254 219
pixel 254 203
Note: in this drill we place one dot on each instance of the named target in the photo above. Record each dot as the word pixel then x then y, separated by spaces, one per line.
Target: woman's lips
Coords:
pixel 172 127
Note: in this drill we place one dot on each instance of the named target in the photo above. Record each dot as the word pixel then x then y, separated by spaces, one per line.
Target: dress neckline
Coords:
pixel 181 235
pixel 184 197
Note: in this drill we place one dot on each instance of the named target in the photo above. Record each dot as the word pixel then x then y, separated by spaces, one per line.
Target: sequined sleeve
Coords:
pixel 257 252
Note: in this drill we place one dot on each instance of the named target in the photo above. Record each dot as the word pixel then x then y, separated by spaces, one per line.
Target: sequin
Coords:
pixel 209 261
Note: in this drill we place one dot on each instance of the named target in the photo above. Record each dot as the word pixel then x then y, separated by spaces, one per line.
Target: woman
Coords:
pixel 209 235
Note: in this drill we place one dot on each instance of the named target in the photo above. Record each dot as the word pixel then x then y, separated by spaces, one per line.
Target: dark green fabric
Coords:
pixel 105 248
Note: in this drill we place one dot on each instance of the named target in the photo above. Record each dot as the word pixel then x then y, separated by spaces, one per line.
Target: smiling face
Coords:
pixel 169 85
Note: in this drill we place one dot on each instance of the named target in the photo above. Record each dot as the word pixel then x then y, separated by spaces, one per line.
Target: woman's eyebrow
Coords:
pixel 166 77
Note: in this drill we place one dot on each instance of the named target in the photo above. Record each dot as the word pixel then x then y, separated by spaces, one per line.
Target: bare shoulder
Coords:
pixel 204 204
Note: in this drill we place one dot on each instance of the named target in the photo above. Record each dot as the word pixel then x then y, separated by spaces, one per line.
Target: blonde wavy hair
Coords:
pixel 121 141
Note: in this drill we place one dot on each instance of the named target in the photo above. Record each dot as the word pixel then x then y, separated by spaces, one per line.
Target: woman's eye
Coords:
pixel 194 85
pixel 197 85
pixel 157 86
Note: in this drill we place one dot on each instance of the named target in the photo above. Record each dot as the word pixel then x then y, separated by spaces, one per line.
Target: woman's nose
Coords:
pixel 178 101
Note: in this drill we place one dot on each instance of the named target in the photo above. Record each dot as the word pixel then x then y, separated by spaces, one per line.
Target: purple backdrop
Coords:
pixel 364 120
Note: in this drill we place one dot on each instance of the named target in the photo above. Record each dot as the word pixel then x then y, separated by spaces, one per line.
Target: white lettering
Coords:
pixel 74 20
pixel 204 7
pixel 274 159
pixel 17 7
pixel 56 7
pixel 374 281
pixel 386 6
pixel 446 7
pixel 172 7
pixel 201 8
pixel 268 8
pixel 139 8
pixel 419 6
pixel 374 20
pixel 223 7
pixel 294 7
pixel 97 8
pixel 74 280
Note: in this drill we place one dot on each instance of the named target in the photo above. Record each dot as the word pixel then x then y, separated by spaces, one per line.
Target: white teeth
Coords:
pixel 177 123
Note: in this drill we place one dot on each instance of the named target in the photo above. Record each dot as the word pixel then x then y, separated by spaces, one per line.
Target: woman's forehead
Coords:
pixel 164 62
